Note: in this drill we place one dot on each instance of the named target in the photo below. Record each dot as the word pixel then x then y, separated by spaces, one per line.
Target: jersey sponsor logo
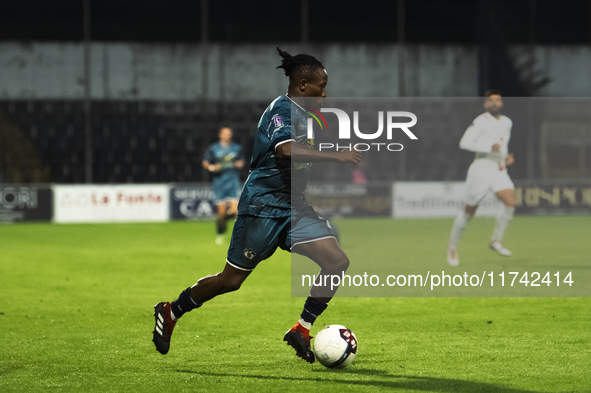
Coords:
pixel 278 121
pixel 249 254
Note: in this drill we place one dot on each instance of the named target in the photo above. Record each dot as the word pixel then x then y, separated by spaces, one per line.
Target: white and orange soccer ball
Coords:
pixel 335 346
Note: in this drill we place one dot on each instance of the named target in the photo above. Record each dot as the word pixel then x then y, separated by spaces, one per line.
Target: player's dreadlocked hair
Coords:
pixel 298 66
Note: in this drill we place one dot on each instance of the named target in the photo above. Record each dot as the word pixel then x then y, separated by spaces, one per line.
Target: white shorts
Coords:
pixel 484 176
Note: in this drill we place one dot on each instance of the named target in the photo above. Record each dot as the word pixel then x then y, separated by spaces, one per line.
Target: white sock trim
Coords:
pixel 305 324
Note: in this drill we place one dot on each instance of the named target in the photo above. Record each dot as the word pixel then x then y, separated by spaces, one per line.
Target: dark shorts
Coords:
pixel 255 239
pixel 225 189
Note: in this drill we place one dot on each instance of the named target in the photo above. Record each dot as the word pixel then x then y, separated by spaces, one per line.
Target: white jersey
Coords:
pixel 485 131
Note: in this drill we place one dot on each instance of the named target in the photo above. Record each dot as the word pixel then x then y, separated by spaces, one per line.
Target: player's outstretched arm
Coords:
pixel 299 153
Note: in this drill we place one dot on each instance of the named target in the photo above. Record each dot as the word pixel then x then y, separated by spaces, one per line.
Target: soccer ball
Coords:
pixel 335 346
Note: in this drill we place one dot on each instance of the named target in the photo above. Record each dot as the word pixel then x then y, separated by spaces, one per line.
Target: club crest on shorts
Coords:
pixel 278 121
pixel 249 254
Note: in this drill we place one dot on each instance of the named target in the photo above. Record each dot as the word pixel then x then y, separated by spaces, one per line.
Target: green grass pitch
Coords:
pixel 76 315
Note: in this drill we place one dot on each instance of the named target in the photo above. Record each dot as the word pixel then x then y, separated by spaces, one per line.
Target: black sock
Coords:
pixel 312 309
pixel 183 304
pixel 221 226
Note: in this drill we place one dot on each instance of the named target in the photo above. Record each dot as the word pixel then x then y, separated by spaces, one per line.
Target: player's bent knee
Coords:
pixel 345 264
pixel 340 265
pixel 231 287
pixel 232 284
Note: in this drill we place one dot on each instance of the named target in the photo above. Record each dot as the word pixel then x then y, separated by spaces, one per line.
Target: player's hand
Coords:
pixel 496 148
pixel 239 164
pixel 509 159
pixel 214 167
pixel 351 156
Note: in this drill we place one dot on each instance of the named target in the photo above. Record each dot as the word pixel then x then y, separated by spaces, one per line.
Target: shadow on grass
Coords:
pixel 386 381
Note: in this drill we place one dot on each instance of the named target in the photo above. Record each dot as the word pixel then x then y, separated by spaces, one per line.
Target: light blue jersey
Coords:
pixel 276 186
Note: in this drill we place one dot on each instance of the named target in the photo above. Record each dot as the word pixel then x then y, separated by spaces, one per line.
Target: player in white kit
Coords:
pixel 488 137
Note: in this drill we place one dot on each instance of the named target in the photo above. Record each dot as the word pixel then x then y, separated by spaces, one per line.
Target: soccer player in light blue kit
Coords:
pixel 273 211
pixel 224 160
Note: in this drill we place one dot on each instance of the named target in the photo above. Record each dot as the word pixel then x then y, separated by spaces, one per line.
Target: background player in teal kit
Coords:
pixel 224 160
pixel 273 211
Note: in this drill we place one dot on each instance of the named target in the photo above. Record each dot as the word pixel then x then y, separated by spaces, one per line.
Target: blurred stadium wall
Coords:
pixel 154 108
pixel 123 71
pixel 234 72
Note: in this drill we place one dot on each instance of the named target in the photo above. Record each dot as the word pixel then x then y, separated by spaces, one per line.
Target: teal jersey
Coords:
pixel 226 156
pixel 276 186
